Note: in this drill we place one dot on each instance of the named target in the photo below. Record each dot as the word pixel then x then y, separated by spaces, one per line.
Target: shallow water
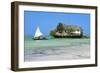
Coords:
pixel 30 43
pixel 56 49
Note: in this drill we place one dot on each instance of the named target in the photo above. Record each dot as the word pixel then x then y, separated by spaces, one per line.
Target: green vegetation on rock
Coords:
pixel 63 30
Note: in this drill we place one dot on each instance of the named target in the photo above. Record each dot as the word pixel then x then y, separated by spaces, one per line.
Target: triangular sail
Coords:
pixel 38 33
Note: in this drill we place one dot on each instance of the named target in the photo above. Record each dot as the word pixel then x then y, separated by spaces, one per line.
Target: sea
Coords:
pixel 56 49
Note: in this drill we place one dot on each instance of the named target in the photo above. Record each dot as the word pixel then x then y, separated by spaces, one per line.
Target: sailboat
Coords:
pixel 38 34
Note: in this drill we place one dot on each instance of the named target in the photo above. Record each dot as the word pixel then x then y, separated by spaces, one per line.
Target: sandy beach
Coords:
pixel 57 53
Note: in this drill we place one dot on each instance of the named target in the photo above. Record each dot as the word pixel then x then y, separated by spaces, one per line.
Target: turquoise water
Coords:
pixel 31 44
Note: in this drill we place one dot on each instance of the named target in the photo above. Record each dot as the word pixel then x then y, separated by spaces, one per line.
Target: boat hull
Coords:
pixel 39 38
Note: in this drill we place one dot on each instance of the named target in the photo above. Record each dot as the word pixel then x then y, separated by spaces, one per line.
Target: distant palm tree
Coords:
pixel 60 27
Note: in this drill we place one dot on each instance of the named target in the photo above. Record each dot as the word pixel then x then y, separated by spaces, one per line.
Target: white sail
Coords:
pixel 38 33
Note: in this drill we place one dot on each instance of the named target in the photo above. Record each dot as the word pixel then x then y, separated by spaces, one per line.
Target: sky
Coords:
pixel 48 21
